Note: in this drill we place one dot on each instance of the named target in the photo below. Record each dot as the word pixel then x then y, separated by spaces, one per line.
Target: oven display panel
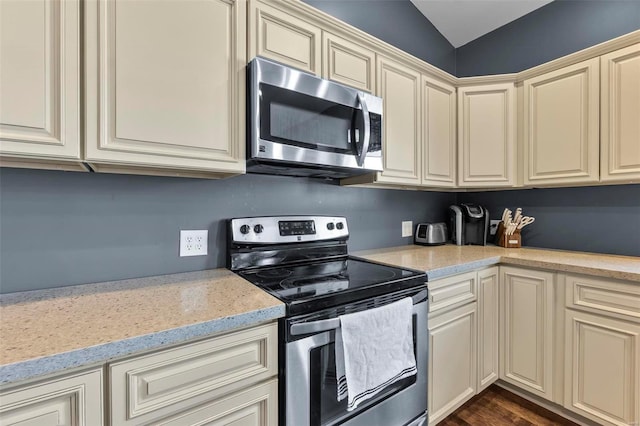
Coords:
pixel 297 227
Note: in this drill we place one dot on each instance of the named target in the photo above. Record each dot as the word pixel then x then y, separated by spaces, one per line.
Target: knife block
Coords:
pixel 508 241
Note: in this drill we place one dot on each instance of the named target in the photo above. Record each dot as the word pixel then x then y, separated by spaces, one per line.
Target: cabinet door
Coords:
pixel 561 125
pixel 284 38
pixel 348 63
pixel 602 368
pixel 526 355
pixel 39 76
pixel 399 87
pixel 153 98
pixel 487 327
pixel 619 115
pixel 452 364
pixel 486 134
pixel 438 133
pixel 70 401
pixel 256 406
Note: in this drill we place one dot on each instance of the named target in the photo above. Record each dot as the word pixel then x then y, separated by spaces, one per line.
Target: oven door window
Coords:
pixel 298 119
pixel 325 409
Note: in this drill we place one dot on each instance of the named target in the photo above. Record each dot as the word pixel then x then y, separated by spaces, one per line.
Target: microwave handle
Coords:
pixel 367 130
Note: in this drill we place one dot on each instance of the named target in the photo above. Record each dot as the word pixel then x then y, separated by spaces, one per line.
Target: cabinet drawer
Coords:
pixel 170 381
pixel 256 406
pixel 451 292
pixel 595 294
pixel 70 400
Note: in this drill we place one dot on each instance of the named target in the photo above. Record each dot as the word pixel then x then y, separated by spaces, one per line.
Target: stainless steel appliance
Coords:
pixel 302 125
pixel 431 234
pixel 303 260
pixel 469 224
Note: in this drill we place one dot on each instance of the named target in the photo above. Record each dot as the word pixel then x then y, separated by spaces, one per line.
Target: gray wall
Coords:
pixel 557 29
pixel 397 22
pixel 60 228
pixel 603 219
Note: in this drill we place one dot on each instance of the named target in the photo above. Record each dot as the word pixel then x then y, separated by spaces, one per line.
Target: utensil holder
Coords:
pixel 508 241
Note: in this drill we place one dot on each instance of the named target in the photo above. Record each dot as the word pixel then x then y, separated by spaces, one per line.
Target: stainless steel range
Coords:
pixel 303 261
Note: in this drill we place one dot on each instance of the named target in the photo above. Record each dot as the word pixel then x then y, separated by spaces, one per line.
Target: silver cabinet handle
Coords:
pixel 367 130
pixel 334 323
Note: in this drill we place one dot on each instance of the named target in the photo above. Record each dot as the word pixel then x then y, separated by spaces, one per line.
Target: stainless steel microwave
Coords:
pixel 302 125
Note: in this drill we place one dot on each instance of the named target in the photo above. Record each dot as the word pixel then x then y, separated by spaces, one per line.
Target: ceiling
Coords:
pixel 462 21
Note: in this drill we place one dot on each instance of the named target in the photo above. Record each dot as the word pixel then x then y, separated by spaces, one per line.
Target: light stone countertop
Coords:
pixel 442 261
pixel 47 331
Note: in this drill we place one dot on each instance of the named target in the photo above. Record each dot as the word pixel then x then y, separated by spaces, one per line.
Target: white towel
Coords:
pixel 374 348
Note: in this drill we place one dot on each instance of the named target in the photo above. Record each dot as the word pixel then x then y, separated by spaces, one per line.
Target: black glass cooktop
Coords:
pixel 316 285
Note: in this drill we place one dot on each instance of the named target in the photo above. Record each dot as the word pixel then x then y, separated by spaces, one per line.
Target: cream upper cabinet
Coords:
pixel 168 92
pixel 620 115
pixel 488 290
pixel 348 63
pixel 526 328
pixel 452 360
pixel 438 133
pixel 280 36
pixel 486 135
pixel 74 400
pixel 561 126
pixel 399 87
pixel 40 82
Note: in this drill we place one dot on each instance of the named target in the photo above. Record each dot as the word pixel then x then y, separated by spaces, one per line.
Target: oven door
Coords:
pixel 310 375
pixel 297 117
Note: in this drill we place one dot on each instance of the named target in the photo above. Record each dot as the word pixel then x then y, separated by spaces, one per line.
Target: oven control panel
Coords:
pixel 287 229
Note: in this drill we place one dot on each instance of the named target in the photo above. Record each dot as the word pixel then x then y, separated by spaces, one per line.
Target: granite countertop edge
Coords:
pixel 447 271
pixel 98 354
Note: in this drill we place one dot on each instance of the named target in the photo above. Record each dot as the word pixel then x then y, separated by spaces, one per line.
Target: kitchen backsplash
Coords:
pixel 602 219
pixel 65 228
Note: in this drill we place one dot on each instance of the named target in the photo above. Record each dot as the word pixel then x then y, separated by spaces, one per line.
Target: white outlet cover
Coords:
pixel 193 242
pixel 407 228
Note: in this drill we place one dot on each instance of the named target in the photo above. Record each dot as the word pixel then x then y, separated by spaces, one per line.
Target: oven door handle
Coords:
pixel 334 323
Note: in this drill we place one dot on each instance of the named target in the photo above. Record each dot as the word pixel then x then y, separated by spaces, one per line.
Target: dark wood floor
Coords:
pixel 496 406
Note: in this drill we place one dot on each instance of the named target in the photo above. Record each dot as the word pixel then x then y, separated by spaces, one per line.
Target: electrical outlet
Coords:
pixel 407 228
pixel 493 226
pixel 193 243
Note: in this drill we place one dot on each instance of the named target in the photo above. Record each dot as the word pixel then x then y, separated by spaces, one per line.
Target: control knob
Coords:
pixel 330 226
pixel 245 229
pixel 258 228
pixel 339 225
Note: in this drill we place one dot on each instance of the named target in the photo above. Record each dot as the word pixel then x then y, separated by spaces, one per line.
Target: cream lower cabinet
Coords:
pixel 452 361
pixel 166 97
pixel 452 344
pixel 488 327
pixel 561 126
pixel 619 115
pixel 219 378
pixel 40 84
pixel 527 329
pixel 486 136
pixel 602 349
pixel 71 400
